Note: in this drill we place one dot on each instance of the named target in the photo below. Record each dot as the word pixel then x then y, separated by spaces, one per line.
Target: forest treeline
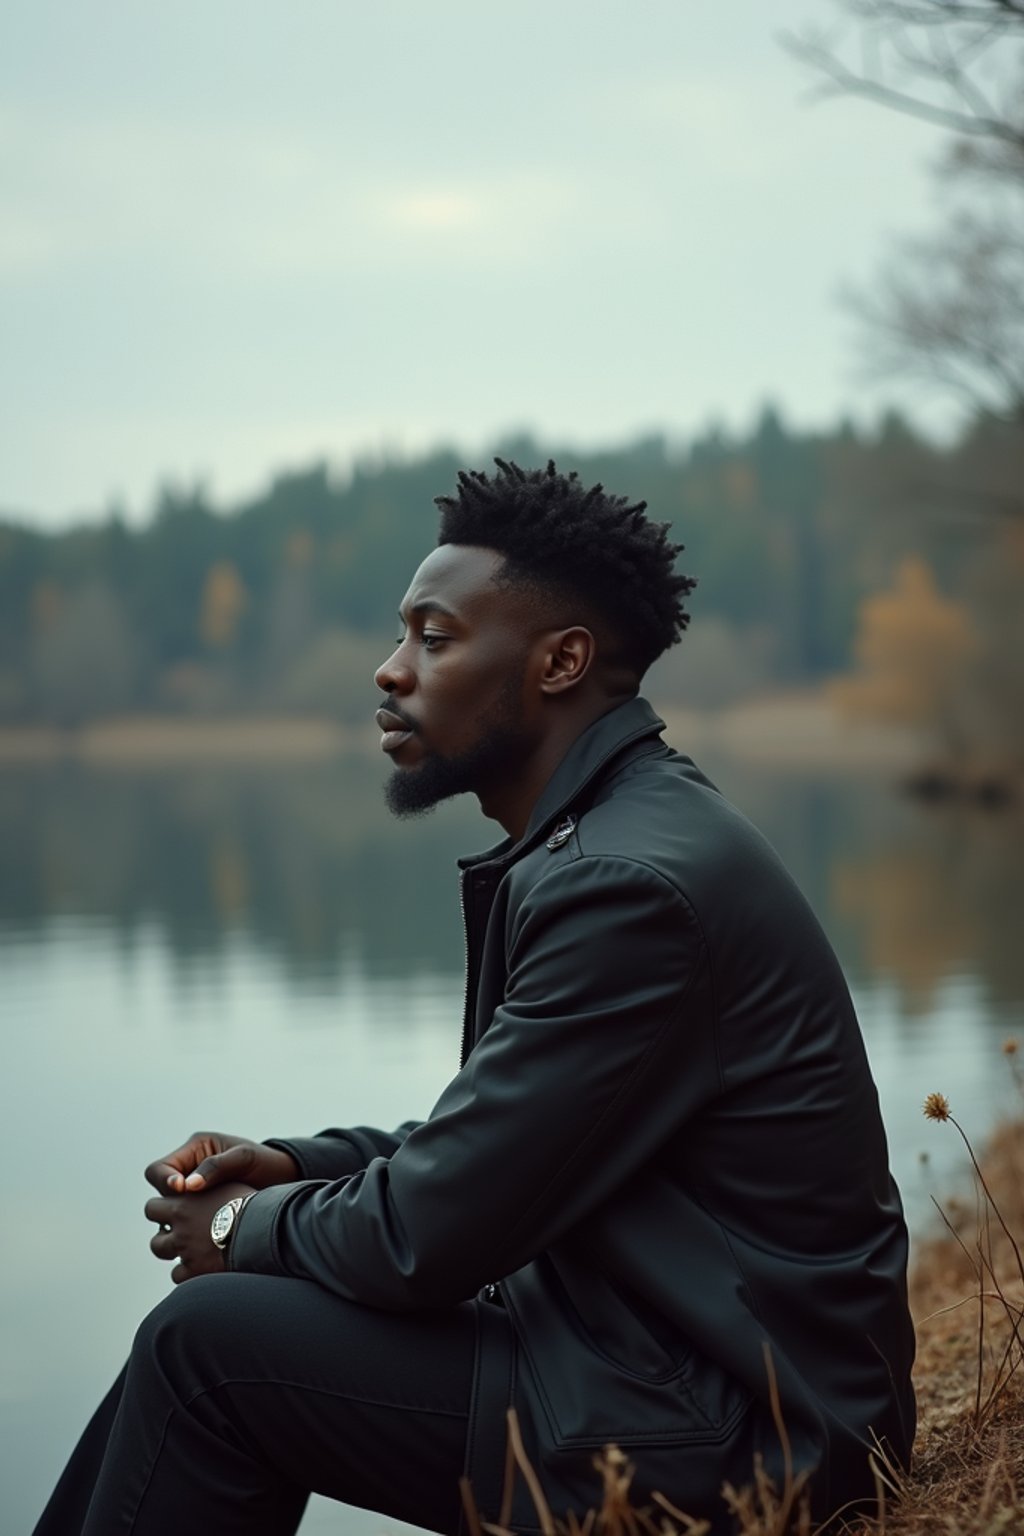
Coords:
pixel 287 601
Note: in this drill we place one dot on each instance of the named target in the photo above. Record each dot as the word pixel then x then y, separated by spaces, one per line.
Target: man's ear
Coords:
pixel 567 658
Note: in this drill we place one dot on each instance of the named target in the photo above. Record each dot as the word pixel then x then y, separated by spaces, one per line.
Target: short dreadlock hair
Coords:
pixel 598 550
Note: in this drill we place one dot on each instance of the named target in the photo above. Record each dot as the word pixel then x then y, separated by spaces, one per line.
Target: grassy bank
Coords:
pixel 967 1292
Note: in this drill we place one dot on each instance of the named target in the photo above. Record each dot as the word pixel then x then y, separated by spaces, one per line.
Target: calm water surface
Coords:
pixel 265 951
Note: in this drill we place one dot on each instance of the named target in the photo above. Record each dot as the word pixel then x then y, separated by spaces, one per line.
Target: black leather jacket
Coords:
pixel 664 1143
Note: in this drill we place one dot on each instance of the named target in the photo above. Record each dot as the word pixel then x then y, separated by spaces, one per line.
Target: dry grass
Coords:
pixel 967 1296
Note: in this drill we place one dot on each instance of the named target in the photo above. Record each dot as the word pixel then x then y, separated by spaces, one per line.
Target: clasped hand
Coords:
pixel 193 1182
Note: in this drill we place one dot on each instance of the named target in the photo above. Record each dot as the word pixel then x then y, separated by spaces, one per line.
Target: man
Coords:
pixel 659 1182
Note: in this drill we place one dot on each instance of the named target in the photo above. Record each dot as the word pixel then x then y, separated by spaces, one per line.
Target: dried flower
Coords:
pixel 936 1107
pixel 1010 1047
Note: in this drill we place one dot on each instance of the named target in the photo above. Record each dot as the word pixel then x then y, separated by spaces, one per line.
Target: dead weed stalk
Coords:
pixel 995 1369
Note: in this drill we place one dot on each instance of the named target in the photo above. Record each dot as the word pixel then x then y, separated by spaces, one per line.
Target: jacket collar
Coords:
pixel 588 756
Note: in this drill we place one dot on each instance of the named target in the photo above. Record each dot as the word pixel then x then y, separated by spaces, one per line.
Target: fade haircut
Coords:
pixel 561 540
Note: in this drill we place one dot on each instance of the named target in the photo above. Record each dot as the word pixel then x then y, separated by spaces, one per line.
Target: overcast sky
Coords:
pixel 238 237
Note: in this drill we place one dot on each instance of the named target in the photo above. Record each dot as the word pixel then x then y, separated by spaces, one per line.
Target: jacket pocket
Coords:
pixel 599 1375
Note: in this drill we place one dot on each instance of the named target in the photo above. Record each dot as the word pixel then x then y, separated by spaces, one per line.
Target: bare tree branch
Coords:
pixel 934 46
pixel 948 309
pixel 1003 14
pixel 980 121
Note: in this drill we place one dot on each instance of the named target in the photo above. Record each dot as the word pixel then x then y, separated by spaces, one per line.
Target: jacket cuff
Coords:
pixel 322 1157
pixel 253 1245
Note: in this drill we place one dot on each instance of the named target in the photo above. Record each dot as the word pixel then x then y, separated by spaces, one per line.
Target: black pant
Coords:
pixel 244 1393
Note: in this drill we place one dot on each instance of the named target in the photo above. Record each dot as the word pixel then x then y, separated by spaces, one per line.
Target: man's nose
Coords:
pixel 393 676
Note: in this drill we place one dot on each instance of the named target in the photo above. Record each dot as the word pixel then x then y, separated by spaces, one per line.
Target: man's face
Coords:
pixel 455 717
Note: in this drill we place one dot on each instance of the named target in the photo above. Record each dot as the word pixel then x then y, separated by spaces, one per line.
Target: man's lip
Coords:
pixel 389 722
pixel 396 731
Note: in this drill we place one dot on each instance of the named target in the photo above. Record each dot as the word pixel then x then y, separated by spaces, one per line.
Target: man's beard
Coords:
pixel 502 744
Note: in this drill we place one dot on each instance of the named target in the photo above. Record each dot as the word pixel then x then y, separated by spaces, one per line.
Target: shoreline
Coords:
pixel 784 731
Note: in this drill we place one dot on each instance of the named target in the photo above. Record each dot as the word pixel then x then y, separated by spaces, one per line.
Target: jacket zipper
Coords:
pixel 490 1290
pixel 463 1052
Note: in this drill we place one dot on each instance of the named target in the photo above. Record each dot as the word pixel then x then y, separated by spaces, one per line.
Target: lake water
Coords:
pixel 263 950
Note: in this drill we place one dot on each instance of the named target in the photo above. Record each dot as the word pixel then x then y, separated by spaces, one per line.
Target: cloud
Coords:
pixel 438 210
pixel 226 201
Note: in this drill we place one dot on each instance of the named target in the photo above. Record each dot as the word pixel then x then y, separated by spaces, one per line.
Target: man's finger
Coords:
pixel 169 1172
pixel 232 1164
pixel 161 1173
pixel 164 1244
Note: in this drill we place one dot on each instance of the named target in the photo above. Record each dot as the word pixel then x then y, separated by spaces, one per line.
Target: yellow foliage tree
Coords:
pixel 913 648
pixel 224 601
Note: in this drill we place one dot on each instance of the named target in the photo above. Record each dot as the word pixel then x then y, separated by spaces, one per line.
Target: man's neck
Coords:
pixel 511 803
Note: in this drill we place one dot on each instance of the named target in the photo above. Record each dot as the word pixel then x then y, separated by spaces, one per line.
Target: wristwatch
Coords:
pixel 223 1223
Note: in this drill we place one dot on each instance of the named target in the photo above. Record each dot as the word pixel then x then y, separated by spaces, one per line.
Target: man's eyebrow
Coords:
pixel 429 605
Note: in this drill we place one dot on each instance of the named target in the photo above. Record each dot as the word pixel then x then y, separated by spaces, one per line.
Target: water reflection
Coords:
pixel 299 860
pixel 267 950
pixel 307 864
pixel 934 895
pixel 912 895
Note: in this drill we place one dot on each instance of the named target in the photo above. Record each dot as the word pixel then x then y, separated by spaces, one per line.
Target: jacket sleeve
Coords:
pixel 602 1047
pixel 333 1154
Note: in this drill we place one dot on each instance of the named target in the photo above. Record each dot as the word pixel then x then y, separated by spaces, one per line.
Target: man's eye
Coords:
pixel 427 640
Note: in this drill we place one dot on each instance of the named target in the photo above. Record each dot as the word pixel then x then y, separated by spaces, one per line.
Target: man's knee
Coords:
pixel 191 1336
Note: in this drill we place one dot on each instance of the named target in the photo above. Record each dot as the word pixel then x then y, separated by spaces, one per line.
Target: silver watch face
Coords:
pixel 222 1223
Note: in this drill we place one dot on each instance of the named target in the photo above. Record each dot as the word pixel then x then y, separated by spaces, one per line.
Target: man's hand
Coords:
pixel 210 1158
pixel 184 1234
